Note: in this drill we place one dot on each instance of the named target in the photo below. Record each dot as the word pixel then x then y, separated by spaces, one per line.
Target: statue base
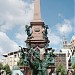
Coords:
pixel 26 70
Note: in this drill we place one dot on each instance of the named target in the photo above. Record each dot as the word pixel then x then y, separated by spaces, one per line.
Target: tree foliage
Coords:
pixel 1 66
pixel 73 66
pixel 60 69
pixel 7 69
pixel 20 62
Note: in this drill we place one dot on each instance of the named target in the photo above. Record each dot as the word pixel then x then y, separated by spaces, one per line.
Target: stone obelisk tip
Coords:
pixel 37 14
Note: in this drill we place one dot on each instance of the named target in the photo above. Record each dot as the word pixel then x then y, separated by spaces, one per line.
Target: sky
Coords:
pixel 15 14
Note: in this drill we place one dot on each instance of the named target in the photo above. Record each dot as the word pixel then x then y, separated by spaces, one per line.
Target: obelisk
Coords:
pixel 37 38
pixel 37 56
pixel 37 14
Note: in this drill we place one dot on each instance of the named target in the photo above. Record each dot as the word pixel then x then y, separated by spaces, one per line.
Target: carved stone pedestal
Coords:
pixel 26 70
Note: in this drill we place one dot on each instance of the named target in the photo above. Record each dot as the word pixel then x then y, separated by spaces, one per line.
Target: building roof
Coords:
pixel 5 55
pixel 59 53
pixel 11 53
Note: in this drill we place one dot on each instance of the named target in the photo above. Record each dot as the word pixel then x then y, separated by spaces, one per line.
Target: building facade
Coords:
pixel 11 59
pixel 69 49
pixel 60 58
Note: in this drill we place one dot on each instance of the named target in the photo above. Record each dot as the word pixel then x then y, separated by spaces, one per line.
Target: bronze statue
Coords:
pixel 45 31
pixel 28 30
pixel 38 66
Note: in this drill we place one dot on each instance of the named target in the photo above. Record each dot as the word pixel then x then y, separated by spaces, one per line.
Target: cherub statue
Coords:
pixel 28 30
pixel 45 31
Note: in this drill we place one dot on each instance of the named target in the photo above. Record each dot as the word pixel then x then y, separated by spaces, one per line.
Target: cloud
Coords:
pixel 1 50
pixel 65 27
pixel 14 12
pixel 21 38
pixel 54 38
pixel 6 44
pixel 60 15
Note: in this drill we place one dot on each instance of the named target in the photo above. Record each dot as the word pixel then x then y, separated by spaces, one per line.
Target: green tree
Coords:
pixel 60 69
pixel 1 66
pixel 73 66
pixel 7 69
pixel 20 63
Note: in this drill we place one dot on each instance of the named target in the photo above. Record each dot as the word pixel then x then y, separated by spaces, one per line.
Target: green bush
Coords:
pixel 6 68
pixel 60 69
pixel 73 66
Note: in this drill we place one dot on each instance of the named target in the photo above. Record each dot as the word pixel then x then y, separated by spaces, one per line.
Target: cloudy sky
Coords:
pixel 15 14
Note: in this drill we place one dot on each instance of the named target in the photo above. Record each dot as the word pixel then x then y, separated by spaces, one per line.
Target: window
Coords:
pixel 15 56
pixel 73 40
pixel 18 55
